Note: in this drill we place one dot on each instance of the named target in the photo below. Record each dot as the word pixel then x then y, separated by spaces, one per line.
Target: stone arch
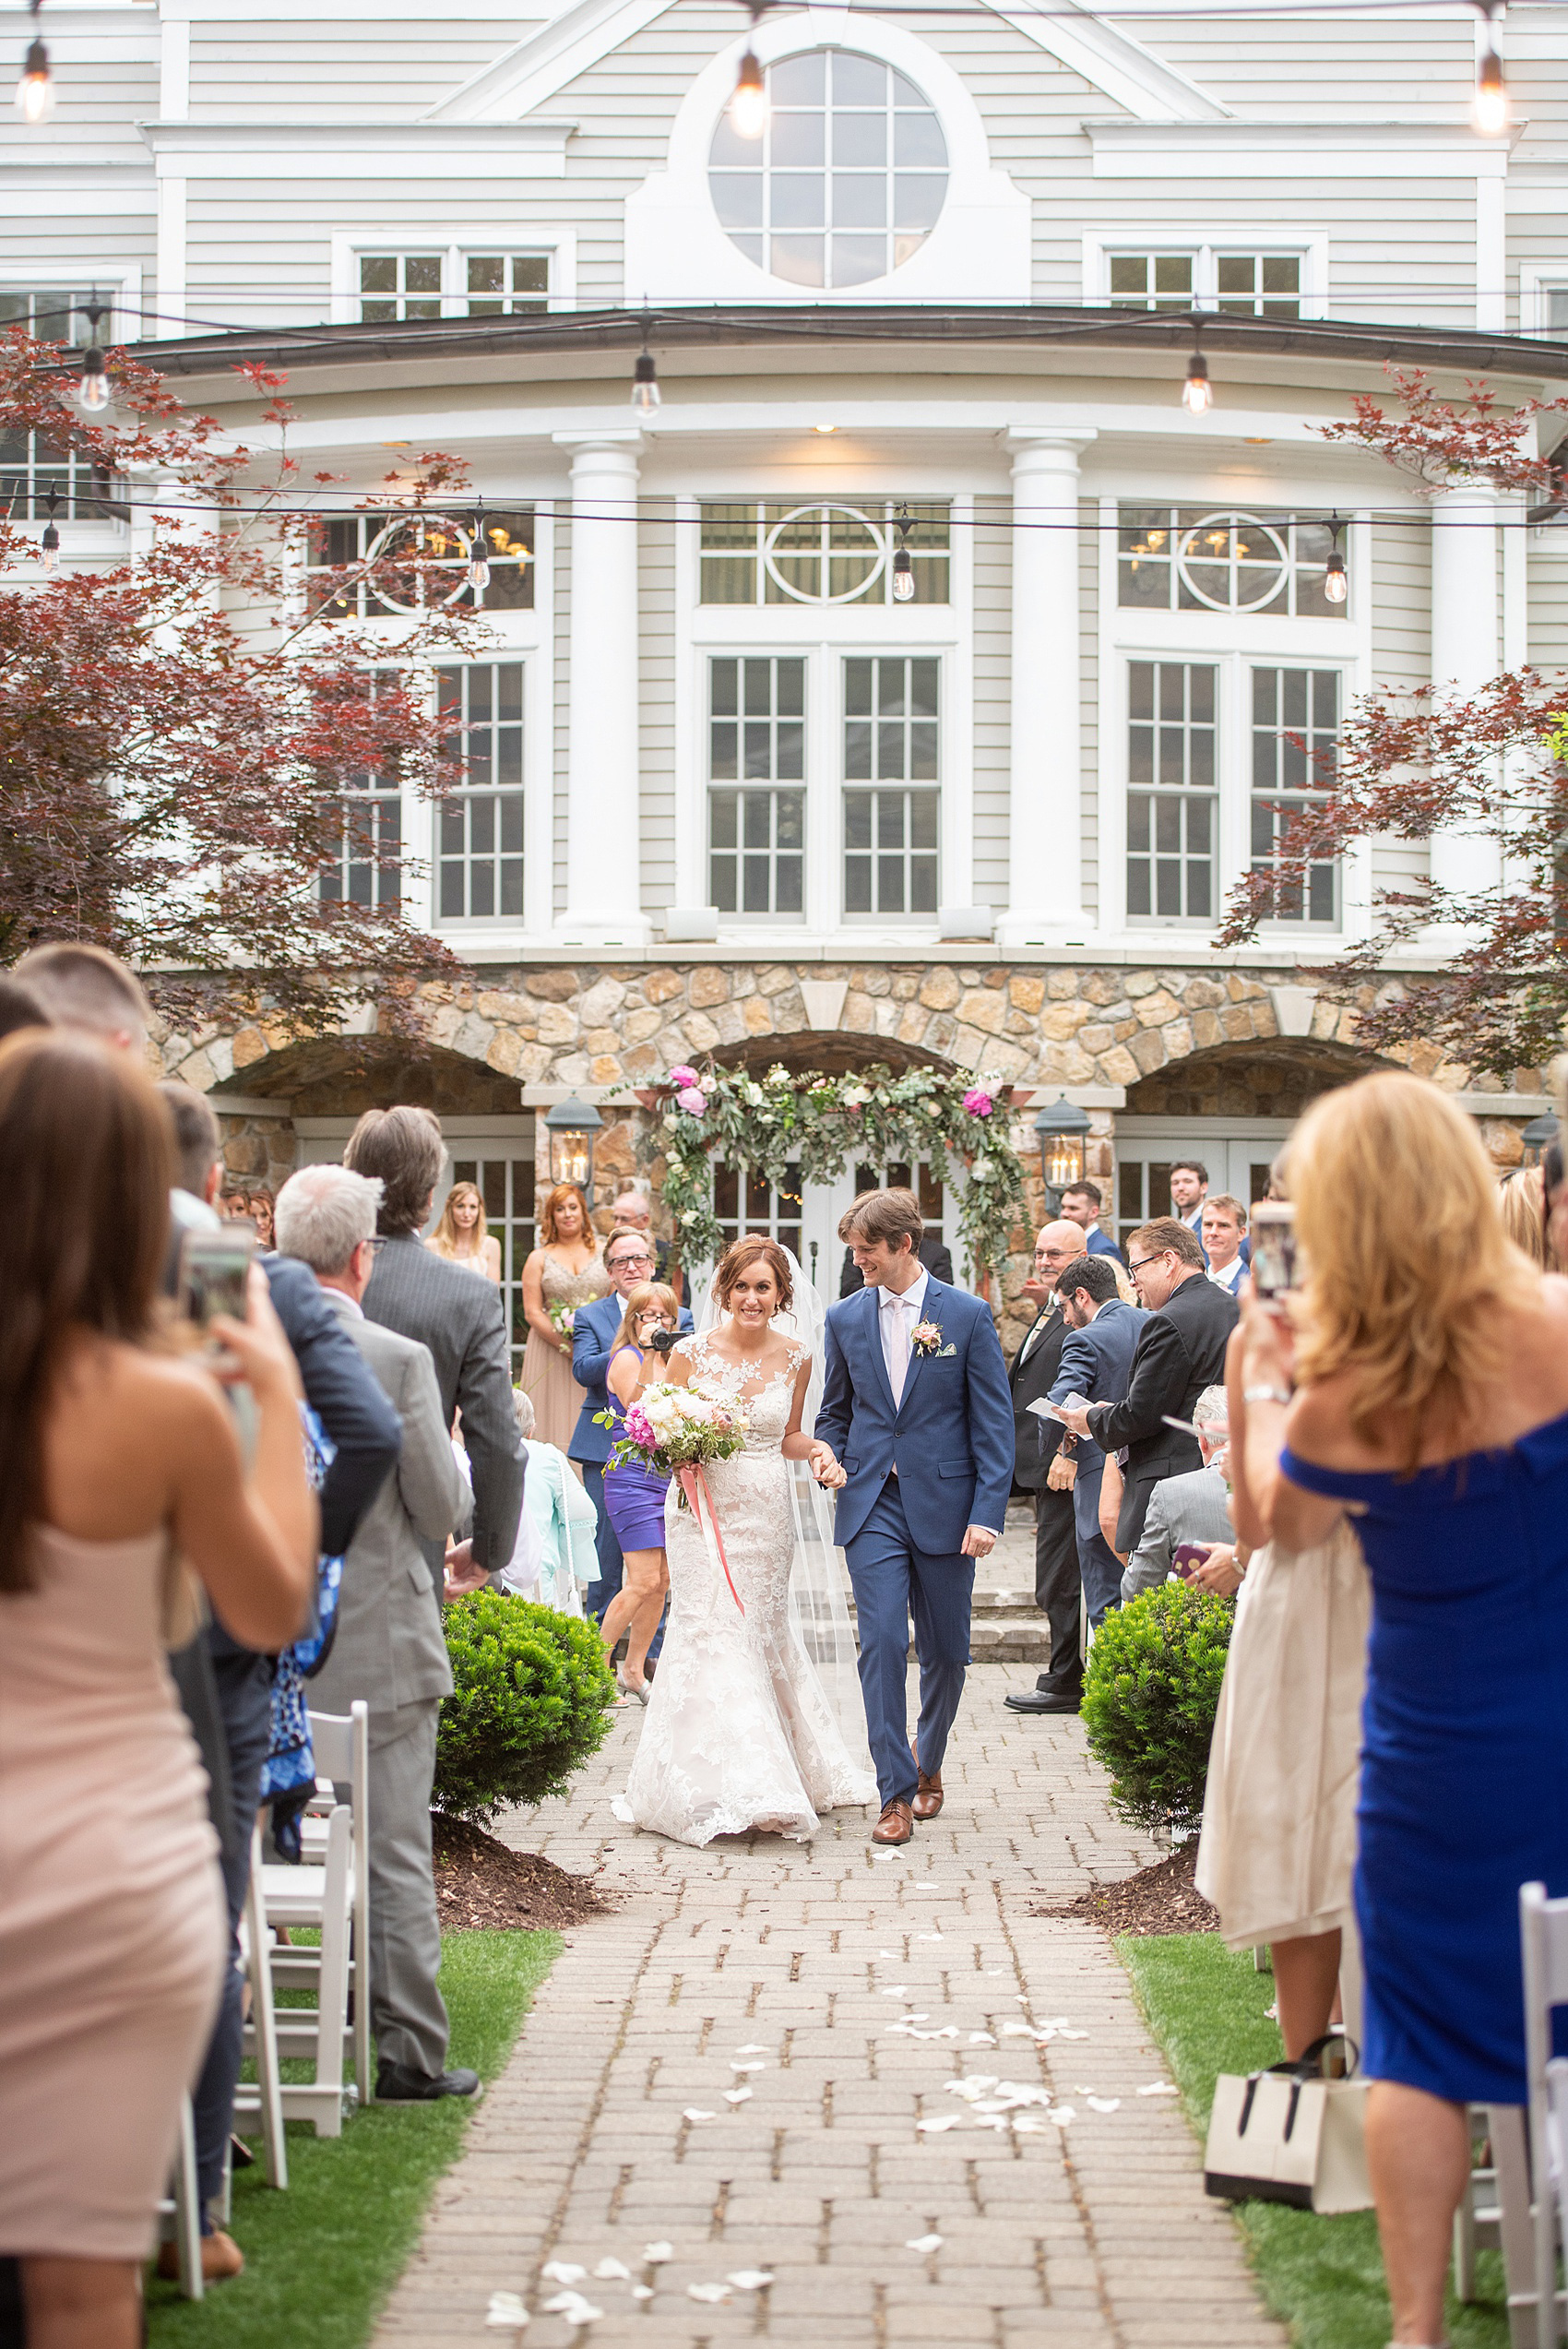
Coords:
pixel 342 1076
pixel 835 1052
pixel 1268 1077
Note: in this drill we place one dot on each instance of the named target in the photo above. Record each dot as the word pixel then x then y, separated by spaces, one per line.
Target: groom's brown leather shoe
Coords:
pixel 927 1796
pixel 896 1826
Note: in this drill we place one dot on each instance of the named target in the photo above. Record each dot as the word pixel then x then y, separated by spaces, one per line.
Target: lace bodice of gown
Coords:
pixel 739 1734
pixel 563 1286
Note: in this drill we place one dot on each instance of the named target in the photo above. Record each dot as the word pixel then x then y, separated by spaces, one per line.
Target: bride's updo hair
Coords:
pixel 741 1253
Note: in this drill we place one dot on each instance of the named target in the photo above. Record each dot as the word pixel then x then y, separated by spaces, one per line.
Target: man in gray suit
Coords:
pixel 1188 1509
pixel 389 1647
pixel 454 1312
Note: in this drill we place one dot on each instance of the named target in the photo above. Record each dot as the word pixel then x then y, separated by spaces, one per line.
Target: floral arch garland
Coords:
pixel 819 1124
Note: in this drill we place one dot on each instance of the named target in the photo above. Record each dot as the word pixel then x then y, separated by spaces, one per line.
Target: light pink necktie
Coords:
pixel 899 1369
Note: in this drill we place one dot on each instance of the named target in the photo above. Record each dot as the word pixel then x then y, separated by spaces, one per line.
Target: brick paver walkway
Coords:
pixel 624 2118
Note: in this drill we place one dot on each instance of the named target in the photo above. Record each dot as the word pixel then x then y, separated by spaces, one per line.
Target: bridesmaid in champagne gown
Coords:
pixel 564 1273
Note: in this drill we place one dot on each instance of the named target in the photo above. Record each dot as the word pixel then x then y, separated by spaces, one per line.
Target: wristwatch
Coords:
pixel 1265 1394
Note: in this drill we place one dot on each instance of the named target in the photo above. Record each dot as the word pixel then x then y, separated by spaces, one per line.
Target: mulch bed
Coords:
pixel 481 1882
pixel 1161 1899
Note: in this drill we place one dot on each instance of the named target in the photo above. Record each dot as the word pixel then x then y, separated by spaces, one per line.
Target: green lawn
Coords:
pixel 321 2258
pixel 1323 2276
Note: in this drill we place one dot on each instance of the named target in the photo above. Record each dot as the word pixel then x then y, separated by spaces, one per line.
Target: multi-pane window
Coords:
pixel 506 284
pixel 756 801
pixel 479 825
pixel 425 562
pixel 399 285
pixel 746 1203
pixel 1258 285
pixel 921 1177
pixel 1295 736
pixel 29 466
pixel 1172 791
pixel 1151 281
pixel 847 180
pixel 507 1185
pixel 1173 558
pixel 891 798
pixel 367 867
pixel 1246 285
pixel 1554 309
pixel 754 551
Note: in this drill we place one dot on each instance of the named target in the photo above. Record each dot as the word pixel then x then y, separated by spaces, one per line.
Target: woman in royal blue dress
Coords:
pixel 634 1495
pixel 1430 1365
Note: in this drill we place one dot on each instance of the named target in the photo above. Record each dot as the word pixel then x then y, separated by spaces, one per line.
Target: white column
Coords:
pixel 603 859
pixel 1044 832
pixel 1465 654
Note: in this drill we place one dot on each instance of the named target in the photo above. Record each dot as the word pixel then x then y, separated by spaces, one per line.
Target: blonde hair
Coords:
pixel 1124 1288
pixel 647 1294
pixel 1521 1202
pixel 444 1239
pixel 1406 1255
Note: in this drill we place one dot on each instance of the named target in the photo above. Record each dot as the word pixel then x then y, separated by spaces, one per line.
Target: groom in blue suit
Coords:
pixel 918 1411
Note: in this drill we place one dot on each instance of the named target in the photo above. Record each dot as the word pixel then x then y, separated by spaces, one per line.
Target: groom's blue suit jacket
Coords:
pixel 951 1439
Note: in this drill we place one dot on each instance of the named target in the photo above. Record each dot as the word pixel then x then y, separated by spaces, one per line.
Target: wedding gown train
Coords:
pixel 739 1734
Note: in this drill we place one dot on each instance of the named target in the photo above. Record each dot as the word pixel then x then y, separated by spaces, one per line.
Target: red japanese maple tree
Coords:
pixel 1409 763
pixel 178 727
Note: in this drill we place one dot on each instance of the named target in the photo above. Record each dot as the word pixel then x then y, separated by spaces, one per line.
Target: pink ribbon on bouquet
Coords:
pixel 693 1482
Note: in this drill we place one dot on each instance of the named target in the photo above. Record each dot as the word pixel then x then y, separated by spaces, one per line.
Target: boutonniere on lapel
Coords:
pixel 926 1337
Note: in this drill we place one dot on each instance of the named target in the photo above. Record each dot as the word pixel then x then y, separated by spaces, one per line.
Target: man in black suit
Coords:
pixel 1181 1351
pixel 933 1255
pixel 1035 1441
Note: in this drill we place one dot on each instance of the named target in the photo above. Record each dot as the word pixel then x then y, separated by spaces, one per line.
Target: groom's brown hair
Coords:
pixel 884 1215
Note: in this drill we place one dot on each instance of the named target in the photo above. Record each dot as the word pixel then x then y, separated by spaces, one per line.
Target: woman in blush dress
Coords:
pixel 1429 1360
pixel 740 1734
pixel 634 1495
pixel 564 1273
pixel 462 1236
pixel 119 1468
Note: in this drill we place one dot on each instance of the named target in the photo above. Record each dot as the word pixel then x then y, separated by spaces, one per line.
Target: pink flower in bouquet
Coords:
pixel 683 1076
pixel 638 1429
pixel 690 1098
pixel 978 1103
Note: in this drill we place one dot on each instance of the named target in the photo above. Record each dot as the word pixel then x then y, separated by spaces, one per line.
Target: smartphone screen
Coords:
pixel 214 1269
pixel 1274 1247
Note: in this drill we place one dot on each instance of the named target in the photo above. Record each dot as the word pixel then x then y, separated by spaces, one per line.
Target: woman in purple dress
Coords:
pixel 634 1495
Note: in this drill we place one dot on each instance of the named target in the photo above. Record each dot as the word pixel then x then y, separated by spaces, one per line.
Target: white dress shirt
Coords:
pixel 1230 1277
pixel 897 1317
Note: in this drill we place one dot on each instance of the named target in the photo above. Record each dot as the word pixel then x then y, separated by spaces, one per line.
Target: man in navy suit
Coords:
pixel 917 1410
pixel 1096 1363
pixel 629 1260
pixel 1081 1203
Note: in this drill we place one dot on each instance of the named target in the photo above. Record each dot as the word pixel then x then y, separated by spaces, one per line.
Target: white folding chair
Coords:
pixel 1495 2214
pixel 264 2096
pixel 179 2213
pixel 1543 1935
pixel 333 1896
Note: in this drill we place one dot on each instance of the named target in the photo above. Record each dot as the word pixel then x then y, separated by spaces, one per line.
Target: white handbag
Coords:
pixel 1295 2134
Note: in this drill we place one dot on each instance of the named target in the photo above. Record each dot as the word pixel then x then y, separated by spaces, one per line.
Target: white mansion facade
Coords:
pixel 728 792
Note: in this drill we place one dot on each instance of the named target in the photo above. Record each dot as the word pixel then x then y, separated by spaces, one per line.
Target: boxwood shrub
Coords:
pixel 1150 1694
pixel 532 1699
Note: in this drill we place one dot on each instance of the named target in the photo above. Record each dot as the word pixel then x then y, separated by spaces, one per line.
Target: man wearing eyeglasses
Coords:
pixel 629 1260
pixel 1036 1444
pixel 1181 1351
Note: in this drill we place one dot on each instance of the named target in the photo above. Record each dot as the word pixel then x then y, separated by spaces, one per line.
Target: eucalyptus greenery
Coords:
pixel 792 1128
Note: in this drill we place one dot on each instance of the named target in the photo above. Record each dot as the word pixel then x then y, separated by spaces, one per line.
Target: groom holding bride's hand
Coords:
pixel 915 1407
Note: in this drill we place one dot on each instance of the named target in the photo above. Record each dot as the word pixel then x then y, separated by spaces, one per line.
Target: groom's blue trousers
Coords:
pixel 892 1579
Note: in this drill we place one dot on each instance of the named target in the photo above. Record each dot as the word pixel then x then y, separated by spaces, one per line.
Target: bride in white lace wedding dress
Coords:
pixel 740 1734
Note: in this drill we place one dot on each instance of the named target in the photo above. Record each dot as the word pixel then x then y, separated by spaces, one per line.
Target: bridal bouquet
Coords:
pixel 672 1429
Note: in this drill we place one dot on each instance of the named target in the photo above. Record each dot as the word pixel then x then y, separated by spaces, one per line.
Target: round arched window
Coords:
pixel 846 182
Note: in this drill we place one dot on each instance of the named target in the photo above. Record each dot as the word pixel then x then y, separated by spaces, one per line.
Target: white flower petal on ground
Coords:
pixel 1021 2031
pixel 694 2112
pixel 655 2254
pixel 714 2292
pixel 751 2279
pixel 506 2312
pixel 614 2272
pixel 925 1884
pixel 562 2271
pixel 971 2090
pixel 752 2047
pixel 946 2120
pixel 574 2307
pixel 982 2039
pixel 1062 2032
pixel 900 1990
pixel 938 1936
pixel 748 2067
pixel 1061 2115
pixel 1018 2093
pixel 925 2244
pixel 1103 2103
pixel 1028 2125
pixel 735 2096
pixel 1157 2088
pixel 891 1953
pixel 642 2291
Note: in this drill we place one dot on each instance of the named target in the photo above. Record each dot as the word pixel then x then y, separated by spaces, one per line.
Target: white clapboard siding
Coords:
pixel 337 70
pixel 1338 68
pixel 1547 636
pixel 1088 716
pixel 1400 588
pixel 992 691
pixel 656 704
pixel 105 68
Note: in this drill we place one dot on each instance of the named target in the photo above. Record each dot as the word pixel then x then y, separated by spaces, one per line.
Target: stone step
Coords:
pixel 1008 1640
